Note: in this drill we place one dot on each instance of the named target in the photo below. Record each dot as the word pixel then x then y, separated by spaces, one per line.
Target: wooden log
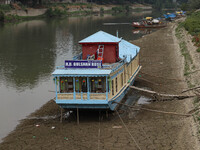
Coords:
pixel 190 89
pixel 159 95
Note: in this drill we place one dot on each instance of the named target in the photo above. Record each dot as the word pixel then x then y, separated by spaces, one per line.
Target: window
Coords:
pixel 112 87
pixel 98 85
pixel 66 85
pixel 84 84
pixel 122 82
pixel 77 85
pixel 116 83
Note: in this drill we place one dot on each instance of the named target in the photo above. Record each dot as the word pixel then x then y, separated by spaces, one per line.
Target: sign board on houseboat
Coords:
pixel 83 64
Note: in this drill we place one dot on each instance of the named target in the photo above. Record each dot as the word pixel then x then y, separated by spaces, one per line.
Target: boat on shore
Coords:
pixel 149 22
pixel 100 76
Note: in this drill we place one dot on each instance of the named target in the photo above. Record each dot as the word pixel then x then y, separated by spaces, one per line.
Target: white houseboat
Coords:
pixel 99 76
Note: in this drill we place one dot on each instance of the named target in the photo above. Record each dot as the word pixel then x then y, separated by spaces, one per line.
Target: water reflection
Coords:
pixel 26 54
pixel 142 31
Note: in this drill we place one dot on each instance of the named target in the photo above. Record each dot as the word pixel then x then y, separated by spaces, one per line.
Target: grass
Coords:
pixel 185 53
pixel 198 50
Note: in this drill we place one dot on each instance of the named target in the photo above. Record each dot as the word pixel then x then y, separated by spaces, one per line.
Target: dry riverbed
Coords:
pixel 162 71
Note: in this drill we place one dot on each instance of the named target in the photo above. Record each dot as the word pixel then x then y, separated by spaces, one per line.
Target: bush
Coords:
pixel 2 16
pixel 55 12
pixel 101 10
pixel 5 7
pixel 118 9
pixel 198 50
pixel 192 23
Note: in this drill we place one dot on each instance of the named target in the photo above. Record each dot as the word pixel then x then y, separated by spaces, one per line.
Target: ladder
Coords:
pixel 100 51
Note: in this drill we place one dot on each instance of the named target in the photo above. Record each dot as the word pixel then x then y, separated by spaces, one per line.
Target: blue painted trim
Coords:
pixel 106 88
pixel 59 84
pixel 122 62
pixel 103 75
pixel 71 101
pixel 88 89
pixel 112 77
pixel 85 106
pixel 74 84
pixel 81 95
pixel 56 88
pixel 78 57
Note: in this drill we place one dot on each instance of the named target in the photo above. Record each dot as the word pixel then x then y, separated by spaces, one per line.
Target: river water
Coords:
pixel 29 52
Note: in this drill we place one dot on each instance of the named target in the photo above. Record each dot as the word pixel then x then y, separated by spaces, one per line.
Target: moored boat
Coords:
pixel 99 76
pixel 149 22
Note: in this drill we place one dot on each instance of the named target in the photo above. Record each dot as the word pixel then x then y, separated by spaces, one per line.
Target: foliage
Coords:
pixel 12 18
pixel 2 15
pixel 55 12
pixel 118 9
pixel 101 10
pixel 192 23
pixel 5 7
pixel 198 50
pixel 194 4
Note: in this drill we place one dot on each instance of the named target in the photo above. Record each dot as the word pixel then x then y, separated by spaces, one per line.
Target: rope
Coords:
pixel 128 131
pixel 158 111
pixel 99 133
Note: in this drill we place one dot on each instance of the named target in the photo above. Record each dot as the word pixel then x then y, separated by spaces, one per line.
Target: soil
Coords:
pixel 162 71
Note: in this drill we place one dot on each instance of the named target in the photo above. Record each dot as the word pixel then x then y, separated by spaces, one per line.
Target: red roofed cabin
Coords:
pixel 101 46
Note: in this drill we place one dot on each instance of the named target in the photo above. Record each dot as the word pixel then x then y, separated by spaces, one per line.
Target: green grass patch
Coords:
pixel 198 50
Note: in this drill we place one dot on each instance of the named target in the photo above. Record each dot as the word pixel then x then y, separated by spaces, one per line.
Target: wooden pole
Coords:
pixel 61 115
pixel 107 116
pixel 77 116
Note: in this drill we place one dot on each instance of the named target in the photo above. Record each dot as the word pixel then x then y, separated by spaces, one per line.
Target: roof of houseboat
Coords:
pixel 82 72
pixel 128 49
pixel 101 37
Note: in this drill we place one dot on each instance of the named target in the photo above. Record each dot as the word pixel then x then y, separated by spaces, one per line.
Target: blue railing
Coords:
pixel 78 57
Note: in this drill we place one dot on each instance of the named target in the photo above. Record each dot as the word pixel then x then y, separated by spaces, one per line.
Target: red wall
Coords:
pixel 109 55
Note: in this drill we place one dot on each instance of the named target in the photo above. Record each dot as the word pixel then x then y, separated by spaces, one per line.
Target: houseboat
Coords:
pixel 99 77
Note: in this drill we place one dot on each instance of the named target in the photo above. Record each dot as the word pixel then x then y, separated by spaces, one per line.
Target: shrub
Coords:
pixel 198 50
pixel 101 10
pixel 118 9
pixel 5 7
pixel 55 12
pixel 2 15
pixel 192 23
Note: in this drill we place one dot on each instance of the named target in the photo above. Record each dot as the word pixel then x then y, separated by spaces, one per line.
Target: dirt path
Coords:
pixel 160 57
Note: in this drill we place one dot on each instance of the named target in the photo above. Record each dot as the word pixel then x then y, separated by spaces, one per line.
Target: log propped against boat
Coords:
pixel 99 75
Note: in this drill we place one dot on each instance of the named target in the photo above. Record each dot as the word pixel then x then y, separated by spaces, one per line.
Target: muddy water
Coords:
pixel 29 52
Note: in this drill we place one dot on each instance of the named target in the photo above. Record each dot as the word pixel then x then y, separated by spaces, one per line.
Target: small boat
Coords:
pixel 99 77
pixel 150 22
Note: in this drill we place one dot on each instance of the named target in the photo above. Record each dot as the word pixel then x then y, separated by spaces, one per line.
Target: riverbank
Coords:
pixel 18 13
pixel 163 65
